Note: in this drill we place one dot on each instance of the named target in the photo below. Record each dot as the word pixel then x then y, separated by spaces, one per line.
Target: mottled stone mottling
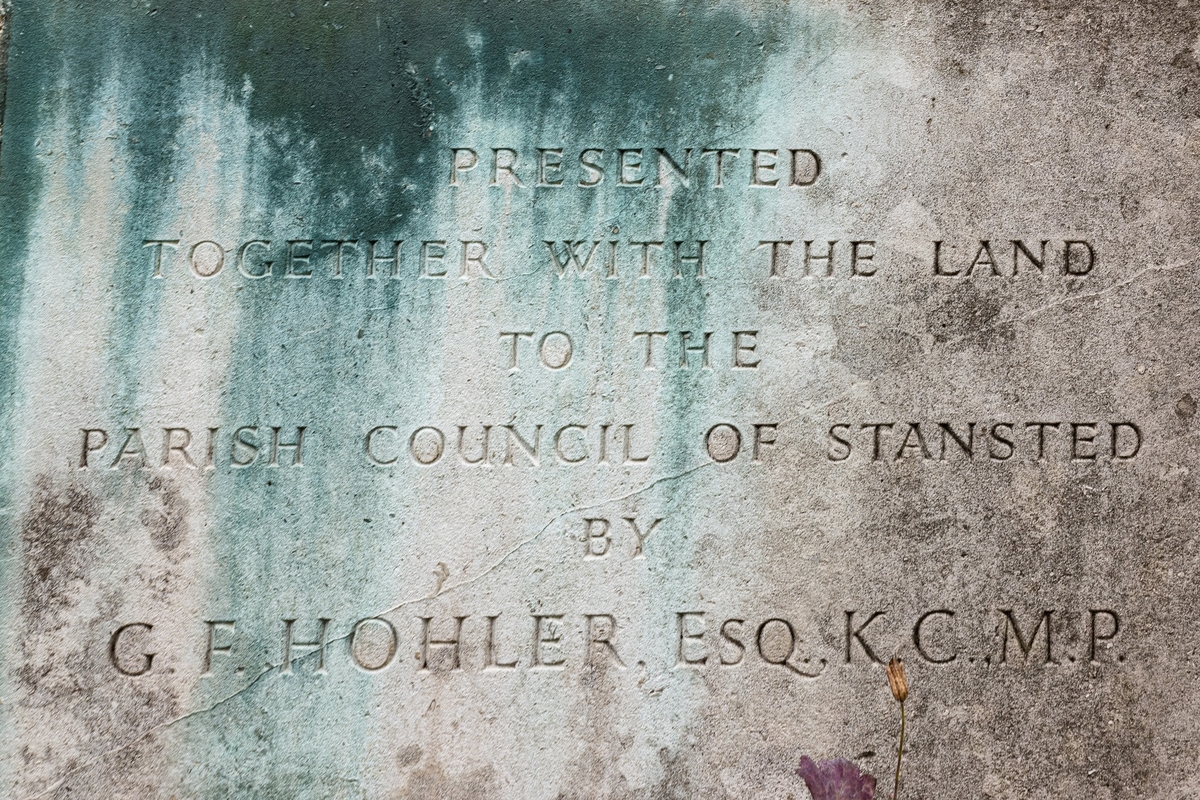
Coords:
pixel 335 120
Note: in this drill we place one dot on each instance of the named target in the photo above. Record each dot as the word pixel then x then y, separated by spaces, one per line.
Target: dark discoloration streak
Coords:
pixel 55 541
pixel 5 36
pixel 677 783
pixel 966 313
pixel 63 652
pixel 418 98
pixel 871 354
pixel 430 780
pixel 167 525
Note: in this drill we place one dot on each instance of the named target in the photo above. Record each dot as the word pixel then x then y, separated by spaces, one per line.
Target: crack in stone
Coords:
pixel 1063 301
pixel 162 726
pixel 258 679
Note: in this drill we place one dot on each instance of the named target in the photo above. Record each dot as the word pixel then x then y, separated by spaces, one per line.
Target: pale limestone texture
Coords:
pixel 527 400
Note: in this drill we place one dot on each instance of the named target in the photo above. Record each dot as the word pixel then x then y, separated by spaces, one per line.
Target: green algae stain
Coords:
pixel 328 120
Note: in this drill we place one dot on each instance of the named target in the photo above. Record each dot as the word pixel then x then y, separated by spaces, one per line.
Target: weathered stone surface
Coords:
pixel 231 423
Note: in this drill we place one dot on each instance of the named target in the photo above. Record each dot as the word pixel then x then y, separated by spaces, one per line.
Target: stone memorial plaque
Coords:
pixel 501 399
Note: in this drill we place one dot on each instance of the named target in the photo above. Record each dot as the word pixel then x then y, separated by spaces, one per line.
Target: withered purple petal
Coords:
pixel 836 779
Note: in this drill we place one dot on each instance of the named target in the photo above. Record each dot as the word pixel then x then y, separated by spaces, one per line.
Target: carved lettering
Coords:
pixel 547 639
pixel 215 629
pixel 1076 257
pixel 688 635
pixel 450 651
pixel 1025 643
pixel 290 646
pixel 1050 440
pixel 361 640
pixel 117 651
pixel 601 629
pixel 854 634
pixel 920 646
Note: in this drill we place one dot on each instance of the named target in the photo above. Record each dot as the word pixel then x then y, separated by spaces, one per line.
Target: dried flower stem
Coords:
pixel 899 753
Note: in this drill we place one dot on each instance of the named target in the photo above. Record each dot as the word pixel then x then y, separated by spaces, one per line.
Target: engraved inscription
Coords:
pixel 633 167
pixel 549 641
pixel 182 448
pixel 986 441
